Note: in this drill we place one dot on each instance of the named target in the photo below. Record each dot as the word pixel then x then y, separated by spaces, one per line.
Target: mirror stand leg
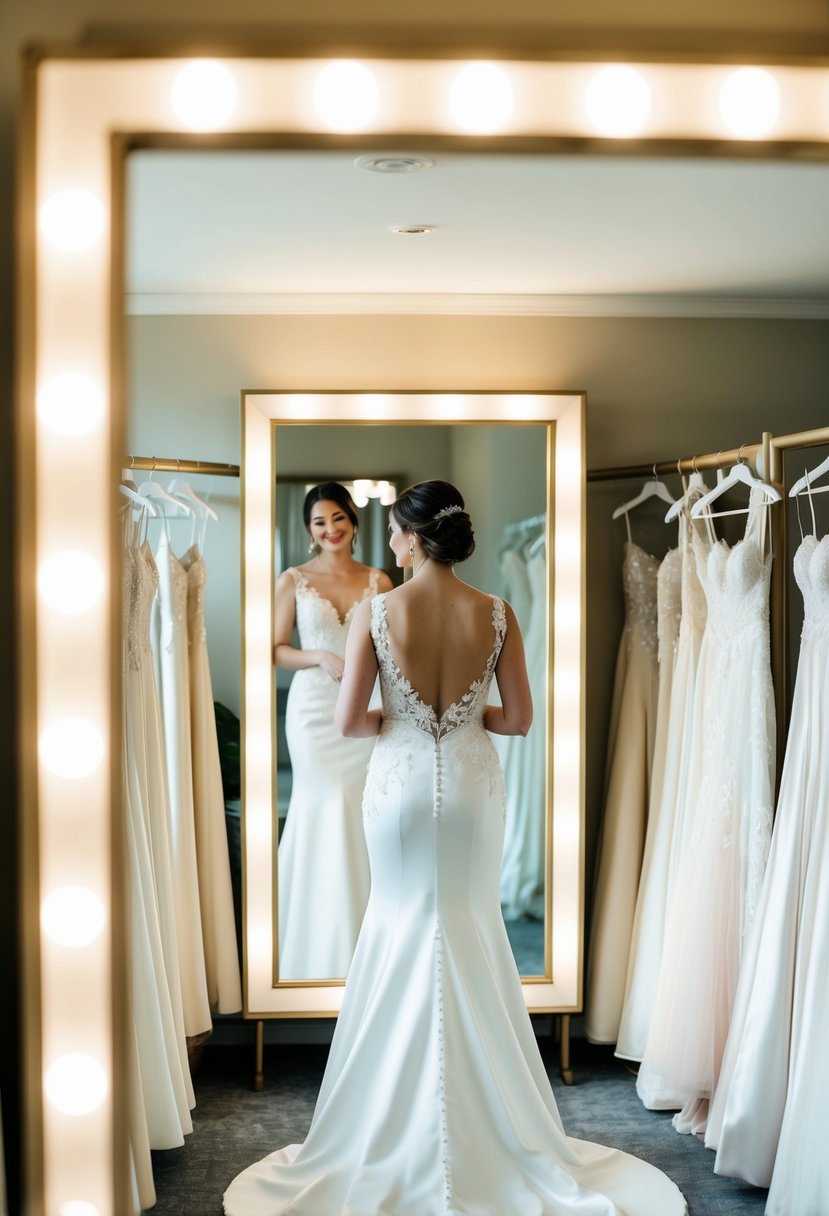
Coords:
pixel 564 1049
pixel 259 1074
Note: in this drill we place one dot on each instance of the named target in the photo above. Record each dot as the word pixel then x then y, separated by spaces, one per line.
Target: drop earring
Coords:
pixel 411 550
pixel 312 548
pixel 353 540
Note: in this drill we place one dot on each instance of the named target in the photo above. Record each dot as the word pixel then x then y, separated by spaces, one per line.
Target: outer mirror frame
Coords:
pixel 76 101
pixel 563 416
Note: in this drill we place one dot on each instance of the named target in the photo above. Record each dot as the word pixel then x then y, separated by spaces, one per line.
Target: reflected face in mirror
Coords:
pixel 330 528
pixel 323 880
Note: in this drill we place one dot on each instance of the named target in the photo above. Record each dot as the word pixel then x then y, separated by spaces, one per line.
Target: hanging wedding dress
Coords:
pixel 218 923
pixel 768 1114
pixel 172 665
pixel 666 811
pixel 435 1101
pixel 726 837
pixel 161 1090
pixel 323 879
pixel 522 864
pixel 630 753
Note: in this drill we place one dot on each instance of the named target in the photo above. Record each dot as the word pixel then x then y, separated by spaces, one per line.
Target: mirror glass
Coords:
pixel 322 867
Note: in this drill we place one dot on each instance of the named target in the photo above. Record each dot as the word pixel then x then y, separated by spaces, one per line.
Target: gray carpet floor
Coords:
pixel 235 1126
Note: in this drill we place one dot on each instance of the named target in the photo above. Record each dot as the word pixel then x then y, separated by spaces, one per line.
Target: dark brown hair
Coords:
pixel 448 539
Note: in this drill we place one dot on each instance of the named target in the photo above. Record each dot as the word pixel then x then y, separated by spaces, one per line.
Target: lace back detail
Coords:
pixel 402 701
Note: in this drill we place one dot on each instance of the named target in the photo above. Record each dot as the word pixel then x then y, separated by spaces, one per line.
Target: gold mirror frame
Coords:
pixel 82 108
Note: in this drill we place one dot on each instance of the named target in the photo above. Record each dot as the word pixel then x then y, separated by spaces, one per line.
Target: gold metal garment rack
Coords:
pixel 781 444
pixel 689 464
pixel 164 464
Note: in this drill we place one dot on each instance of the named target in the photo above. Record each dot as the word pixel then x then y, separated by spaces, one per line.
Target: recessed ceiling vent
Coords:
pixel 413 229
pixel 393 164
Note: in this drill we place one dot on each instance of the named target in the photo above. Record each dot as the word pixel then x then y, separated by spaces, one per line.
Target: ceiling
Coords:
pixel 253 232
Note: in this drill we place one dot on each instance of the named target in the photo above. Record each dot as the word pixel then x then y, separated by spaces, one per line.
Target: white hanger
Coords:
pixel 138 499
pixel 695 482
pixel 653 488
pixel 805 483
pixel 151 489
pixel 740 472
pixel 182 488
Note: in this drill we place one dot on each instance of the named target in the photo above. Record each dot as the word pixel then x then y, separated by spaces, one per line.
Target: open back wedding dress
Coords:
pixel 435 1100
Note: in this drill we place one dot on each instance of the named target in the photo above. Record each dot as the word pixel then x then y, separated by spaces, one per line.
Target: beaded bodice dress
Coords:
pixel 435 1100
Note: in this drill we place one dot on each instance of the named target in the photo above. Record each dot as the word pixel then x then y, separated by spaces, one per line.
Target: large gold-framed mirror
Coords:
pixel 544 433
pixel 71 323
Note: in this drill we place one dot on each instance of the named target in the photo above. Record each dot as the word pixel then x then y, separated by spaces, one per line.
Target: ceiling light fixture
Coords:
pixel 393 163
pixel 413 229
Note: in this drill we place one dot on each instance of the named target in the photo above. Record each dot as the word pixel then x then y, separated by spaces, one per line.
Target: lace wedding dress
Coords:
pixel 435 1101
pixel 622 841
pixel 323 877
pixel 768 1113
pixel 726 837
pixel 678 655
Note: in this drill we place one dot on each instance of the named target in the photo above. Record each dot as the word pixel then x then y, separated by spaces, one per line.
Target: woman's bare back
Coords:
pixel 440 635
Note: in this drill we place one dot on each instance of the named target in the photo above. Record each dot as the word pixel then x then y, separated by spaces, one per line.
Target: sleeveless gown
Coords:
pixel 323 878
pixel 767 1117
pixel 435 1101
pixel 726 835
pixel 622 840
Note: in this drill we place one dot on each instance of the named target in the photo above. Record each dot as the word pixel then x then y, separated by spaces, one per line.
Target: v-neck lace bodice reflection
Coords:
pixel 435 1101
pixel 323 865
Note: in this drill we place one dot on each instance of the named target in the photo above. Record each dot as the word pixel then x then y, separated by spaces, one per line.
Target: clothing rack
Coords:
pixel 520 524
pixel 166 464
pixel 687 464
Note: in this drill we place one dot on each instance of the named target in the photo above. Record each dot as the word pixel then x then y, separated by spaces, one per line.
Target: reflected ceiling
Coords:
pixel 251 231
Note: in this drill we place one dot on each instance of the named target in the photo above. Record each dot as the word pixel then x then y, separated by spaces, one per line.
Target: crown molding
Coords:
pixel 463 304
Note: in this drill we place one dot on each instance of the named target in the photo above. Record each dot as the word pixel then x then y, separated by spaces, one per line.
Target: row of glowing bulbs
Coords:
pixel 346 97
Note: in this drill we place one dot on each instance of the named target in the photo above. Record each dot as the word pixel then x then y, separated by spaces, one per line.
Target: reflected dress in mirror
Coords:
pixel 435 1100
pixel 323 864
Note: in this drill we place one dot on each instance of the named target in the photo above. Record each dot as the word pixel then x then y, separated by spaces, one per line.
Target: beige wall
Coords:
pixel 656 390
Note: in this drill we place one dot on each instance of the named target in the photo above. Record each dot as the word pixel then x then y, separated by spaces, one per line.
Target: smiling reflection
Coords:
pixel 323 864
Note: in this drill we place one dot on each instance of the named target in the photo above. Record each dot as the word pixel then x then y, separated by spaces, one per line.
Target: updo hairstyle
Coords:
pixel 329 491
pixel 448 539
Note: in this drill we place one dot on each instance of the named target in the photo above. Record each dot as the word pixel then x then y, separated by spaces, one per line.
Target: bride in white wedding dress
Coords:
pixel 323 876
pixel 435 1100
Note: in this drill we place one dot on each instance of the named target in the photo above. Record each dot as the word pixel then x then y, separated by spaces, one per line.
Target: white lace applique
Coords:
pixel 402 701
pixel 389 765
pixel 476 753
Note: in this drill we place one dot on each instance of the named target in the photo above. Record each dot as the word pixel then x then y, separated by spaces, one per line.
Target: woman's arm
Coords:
pixel 353 717
pixel 515 713
pixel 286 655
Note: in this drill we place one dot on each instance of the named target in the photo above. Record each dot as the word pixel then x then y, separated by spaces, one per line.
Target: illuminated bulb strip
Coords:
pixel 750 103
pixel 72 917
pixel 72 220
pixel 203 96
pixel 76 1084
pixel 481 98
pixel 618 101
pixel 70 582
pixel 346 96
pixel 70 404
pixel 71 747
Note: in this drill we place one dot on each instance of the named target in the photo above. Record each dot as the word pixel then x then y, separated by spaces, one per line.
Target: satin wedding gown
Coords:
pixel 727 834
pixel 323 879
pixel 622 841
pixel 768 1114
pixel 435 1101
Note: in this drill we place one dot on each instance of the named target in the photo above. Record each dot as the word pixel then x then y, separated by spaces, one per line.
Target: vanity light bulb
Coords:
pixel 70 582
pixel 72 220
pixel 750 103
pixel 204 95
pixel 346 96
pixel 481 98
pixel 72 916
pixel 70 404
pixel 76 1083
pixel 71 748
pixel 78 1207
pixel 618 101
